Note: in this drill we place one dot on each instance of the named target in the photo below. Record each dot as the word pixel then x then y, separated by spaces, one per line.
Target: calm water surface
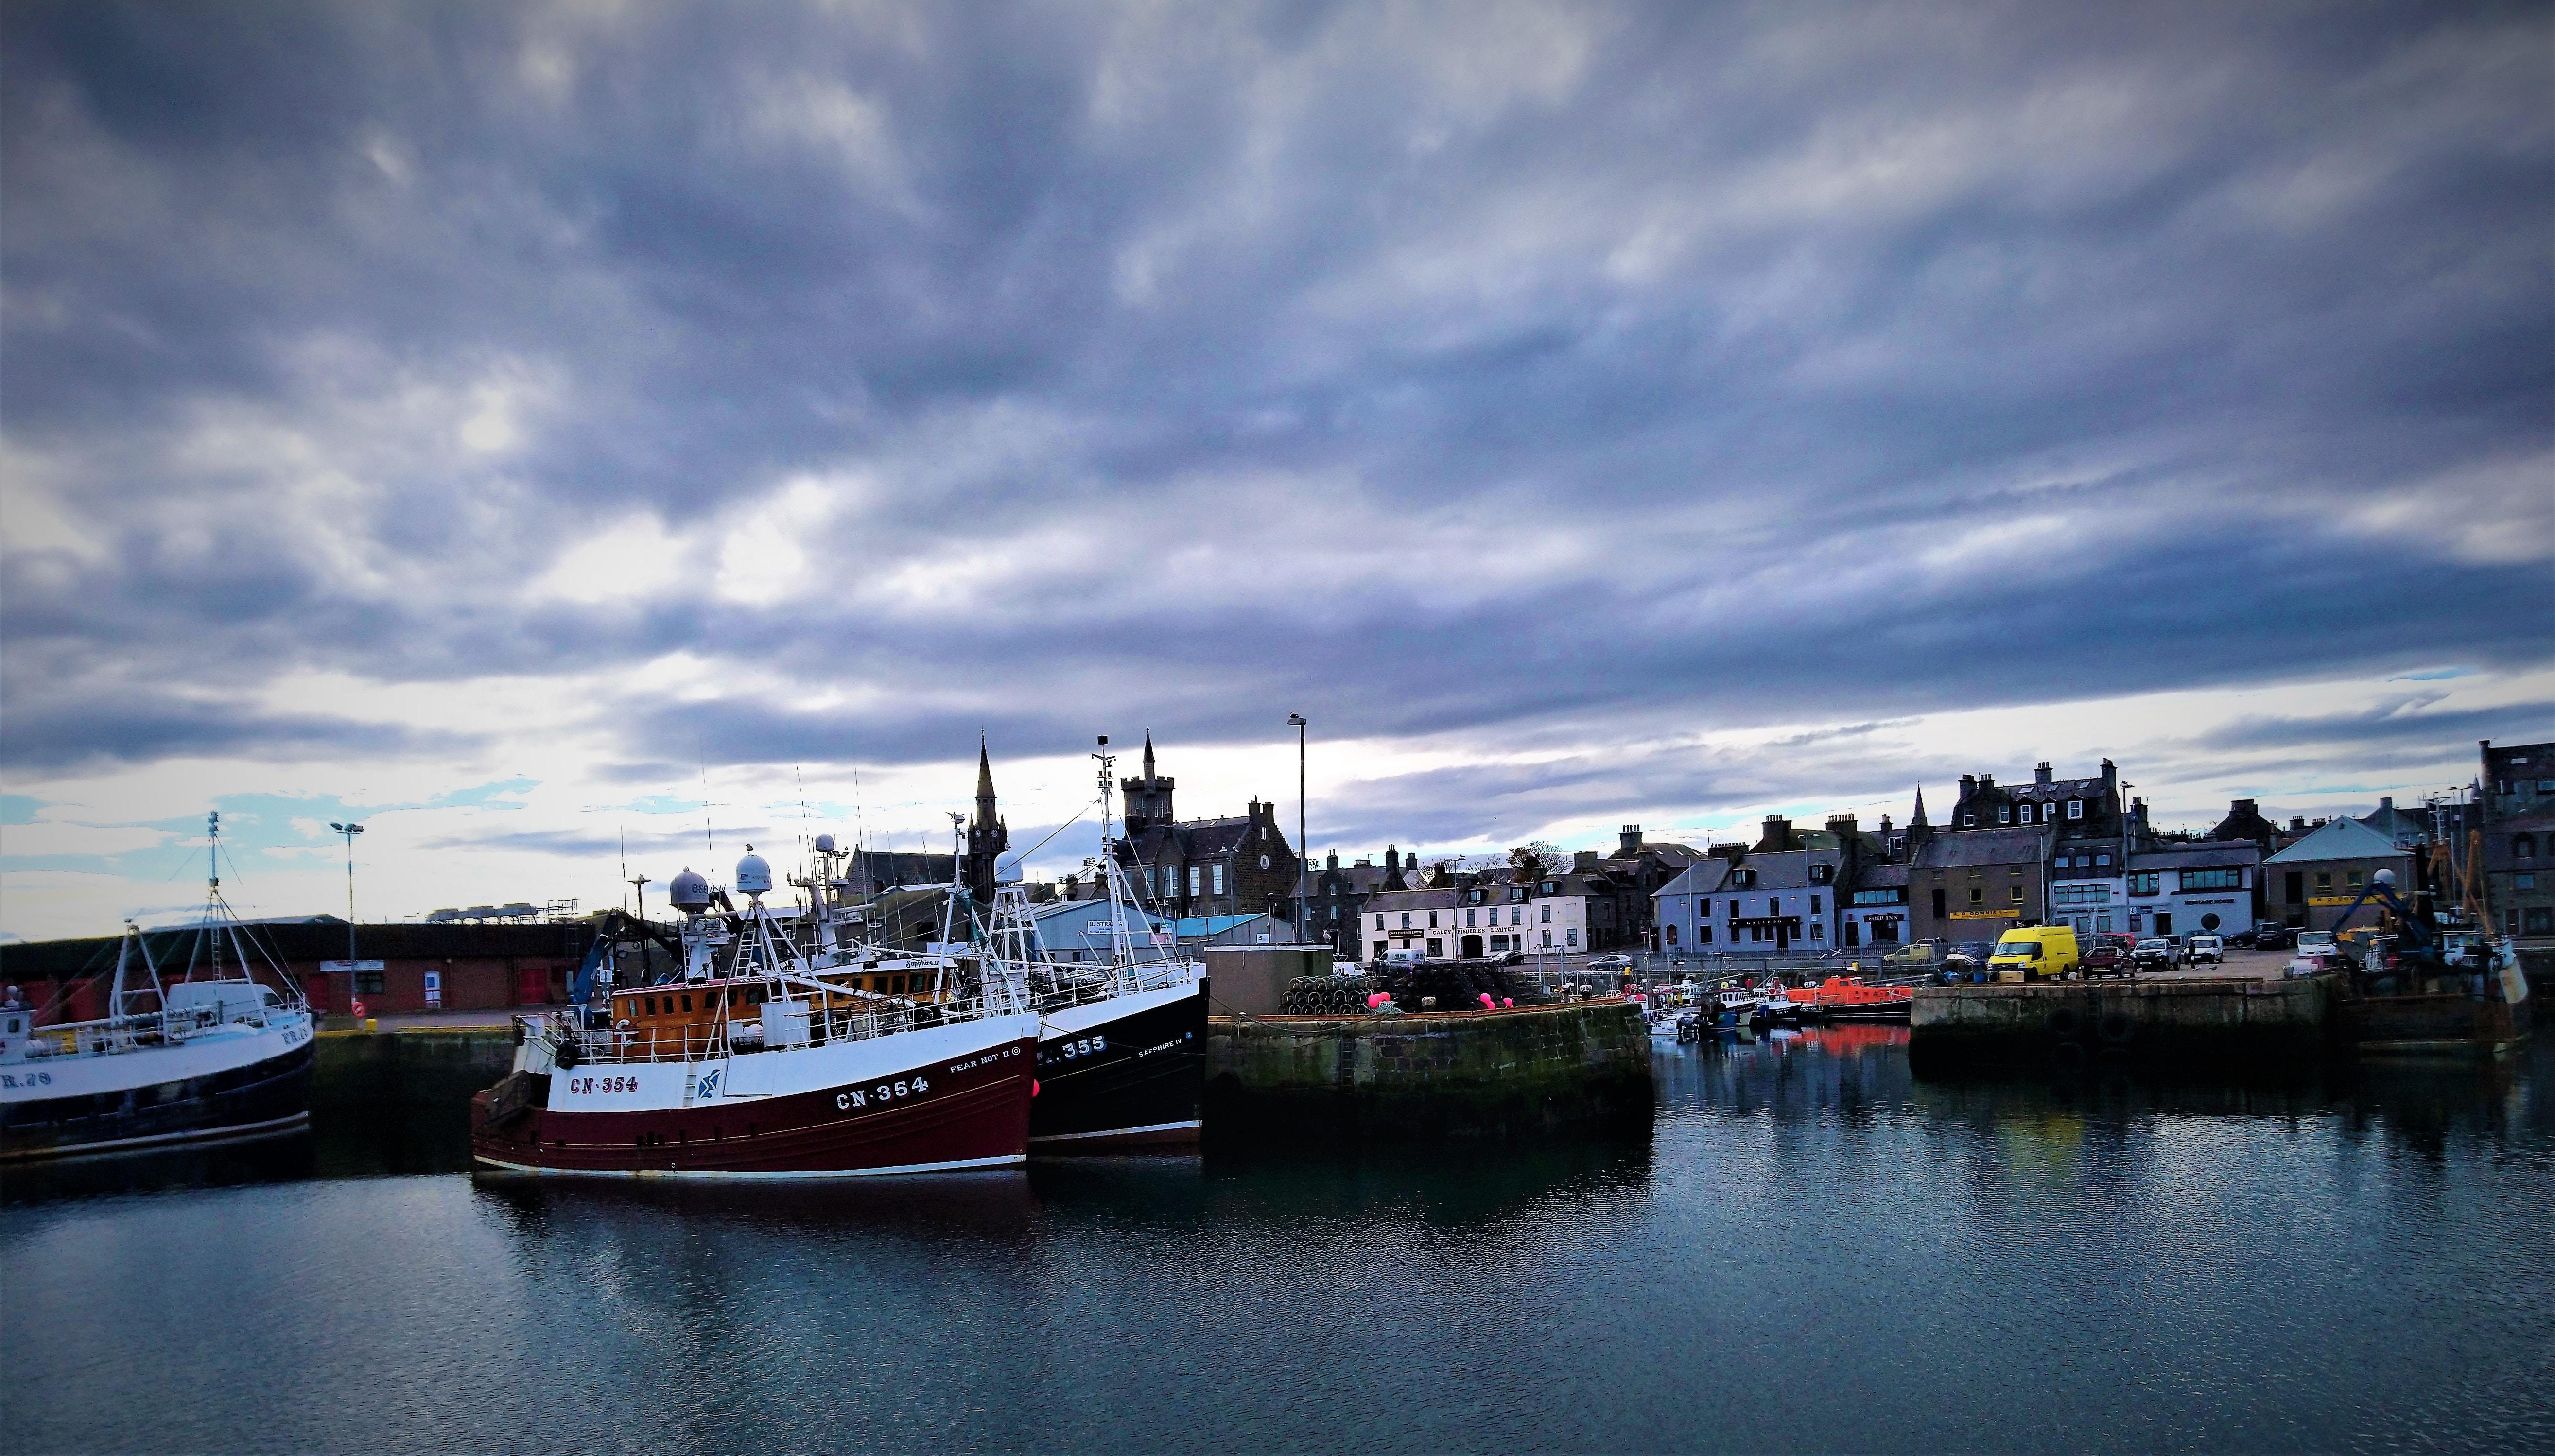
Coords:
pixel 1810 1251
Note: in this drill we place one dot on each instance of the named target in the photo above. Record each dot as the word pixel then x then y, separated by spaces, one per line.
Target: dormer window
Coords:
pixel 1969 821
pixel 2004 815
pixel 2075 808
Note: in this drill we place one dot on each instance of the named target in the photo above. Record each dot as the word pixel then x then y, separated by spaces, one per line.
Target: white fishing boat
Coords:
pixel 206 1054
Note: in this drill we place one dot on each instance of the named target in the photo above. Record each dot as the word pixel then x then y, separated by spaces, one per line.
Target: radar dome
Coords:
pixel 753 874
pixel 690 892
pixel 824 844
pixel 2386 878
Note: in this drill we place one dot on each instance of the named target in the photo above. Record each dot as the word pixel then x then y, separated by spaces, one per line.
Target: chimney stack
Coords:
pixel 2041 775
pixel 1628 841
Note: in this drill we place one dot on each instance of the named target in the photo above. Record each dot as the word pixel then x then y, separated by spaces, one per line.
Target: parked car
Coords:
pixel 2126 942
pixel 1915 953
pixel 1610 963
pixel 2317 945
pixel 2105 959
pixel 2272 935
pixel 2155 953
pixel 1969 955
pixel 1512 958
pixel 2205 948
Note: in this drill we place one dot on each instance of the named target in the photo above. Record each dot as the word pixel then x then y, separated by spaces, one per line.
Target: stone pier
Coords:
pixel 1428 1075
pixel 2232 1024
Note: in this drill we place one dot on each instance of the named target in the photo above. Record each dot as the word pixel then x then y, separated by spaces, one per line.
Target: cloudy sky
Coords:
pixel 531 427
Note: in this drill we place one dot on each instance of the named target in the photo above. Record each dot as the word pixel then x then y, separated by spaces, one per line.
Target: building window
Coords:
pixel 1814 904
pixel 2143 882
pixel 1514 913
pixel 1571 936
pixel 1378 923
pixel 1219 877
pixel 367 983
pixel 1432 919
pixel 1406 920
pixel 2213 880
pixel 1969 821
pixel 2523 880
pixel 1822 874
pixel 2539 922
pixel 1193 878
pixel 1547 915
pixel 2004 815
pixel 2524 846
pixel 2102 860
pixel 1671 934
pixel 2324 882
pixel 1469 921
pixel 2356 878
pixel 1547 937
pixel 1938 903
pixel 1977 895
pixel 2075 808
pixel 2017 894
pixel 1436 949
pixel 1818 931
pixel 1703 935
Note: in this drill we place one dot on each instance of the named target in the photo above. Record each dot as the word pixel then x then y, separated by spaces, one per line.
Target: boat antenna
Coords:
pixel 625 866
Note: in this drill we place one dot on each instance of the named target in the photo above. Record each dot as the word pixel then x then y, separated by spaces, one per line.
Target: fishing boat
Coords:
pixel 766 1061
pixel 207 1055
pixel 1122 1044
pixel 1851 998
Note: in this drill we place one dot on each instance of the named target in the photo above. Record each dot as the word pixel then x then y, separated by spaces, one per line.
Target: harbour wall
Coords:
pixel 2236 1025
pixel 1465 1073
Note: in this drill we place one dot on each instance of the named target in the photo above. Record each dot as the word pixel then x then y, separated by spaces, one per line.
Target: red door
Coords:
pixel 531 985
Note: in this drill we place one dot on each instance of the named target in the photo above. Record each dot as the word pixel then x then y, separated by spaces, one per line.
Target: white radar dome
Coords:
pixel 690 892
pixel 2386 878
pixel 753 874
pixel 824 844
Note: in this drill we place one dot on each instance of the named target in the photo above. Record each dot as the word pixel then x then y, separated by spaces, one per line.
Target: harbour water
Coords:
pixel 1809 1250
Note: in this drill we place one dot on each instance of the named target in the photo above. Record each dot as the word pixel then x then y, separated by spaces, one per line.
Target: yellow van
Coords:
pixel 2034 953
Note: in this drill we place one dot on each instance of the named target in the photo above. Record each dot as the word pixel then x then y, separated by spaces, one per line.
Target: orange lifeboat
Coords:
pixel 1847 998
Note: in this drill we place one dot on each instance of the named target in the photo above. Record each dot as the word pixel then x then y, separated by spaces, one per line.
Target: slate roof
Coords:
pixel 2012 845
pixel 1703 877
pixel 2211 854
pixel 2338 839
pixel 1881 877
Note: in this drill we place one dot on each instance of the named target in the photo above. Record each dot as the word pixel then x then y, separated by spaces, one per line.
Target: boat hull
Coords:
pixel 1127 1072
pixel 224 1088
pixel 2450 1023
pixel 915 1103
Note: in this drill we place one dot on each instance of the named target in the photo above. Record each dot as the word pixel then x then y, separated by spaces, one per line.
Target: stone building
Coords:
pixel 2206 888
pixel 1340 892
pixel 2073 808
pixel 2517 795
pixel 987 835
pixel 2313 881
pixel 1202 867
pixel 1972 885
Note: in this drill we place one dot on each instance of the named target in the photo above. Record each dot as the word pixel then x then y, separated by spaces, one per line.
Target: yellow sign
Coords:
pixel 2331 899
pixel 1995 914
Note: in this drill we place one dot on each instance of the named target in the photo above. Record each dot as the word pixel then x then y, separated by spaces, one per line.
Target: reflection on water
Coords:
pixel 1809 1250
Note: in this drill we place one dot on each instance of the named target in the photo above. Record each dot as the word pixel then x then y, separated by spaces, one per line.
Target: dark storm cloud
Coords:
pixel 1528 372
pixel 143 726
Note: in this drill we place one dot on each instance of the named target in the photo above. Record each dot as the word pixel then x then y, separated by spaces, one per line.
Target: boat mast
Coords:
pixel 1122 951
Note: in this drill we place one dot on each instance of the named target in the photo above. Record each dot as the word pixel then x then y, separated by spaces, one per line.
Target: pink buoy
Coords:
pixel 1486 1003
pixel 1508 1002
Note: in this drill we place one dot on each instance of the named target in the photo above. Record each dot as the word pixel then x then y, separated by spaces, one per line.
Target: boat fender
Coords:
pixel 2064 1023
pixel 2116 1029
pixel 567 1056
pixel 2068 1056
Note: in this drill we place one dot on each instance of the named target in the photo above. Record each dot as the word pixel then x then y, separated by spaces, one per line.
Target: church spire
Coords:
pixel 1916 820
pixel 1149 752
pixel 984 777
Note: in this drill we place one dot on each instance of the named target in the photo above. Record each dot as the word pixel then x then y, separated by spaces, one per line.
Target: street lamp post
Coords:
pixel 1303 851
pixel 349 829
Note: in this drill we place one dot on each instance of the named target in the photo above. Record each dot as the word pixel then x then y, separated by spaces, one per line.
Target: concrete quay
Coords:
pixel 2228 1024
pixel 1429 1074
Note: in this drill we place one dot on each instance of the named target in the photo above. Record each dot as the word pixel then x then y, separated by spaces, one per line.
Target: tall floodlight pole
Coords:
pixel 349 829
pixel 1303 851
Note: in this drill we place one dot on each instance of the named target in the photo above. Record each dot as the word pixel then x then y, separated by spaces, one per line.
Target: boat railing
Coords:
pixel 109 1035
pixel 826 1026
